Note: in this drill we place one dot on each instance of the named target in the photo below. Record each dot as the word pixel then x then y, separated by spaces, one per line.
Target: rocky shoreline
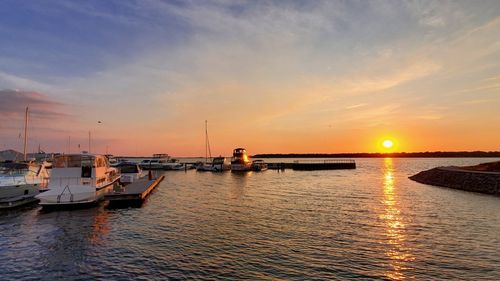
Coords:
pixel 460 178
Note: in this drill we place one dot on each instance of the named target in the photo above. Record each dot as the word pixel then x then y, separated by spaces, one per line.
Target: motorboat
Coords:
pixel 240 161
pixel 173 164
pixel 220 164
pixel 20 182
pixel 78 179
pixel 259 165
pixel 157 162
pixel 129 172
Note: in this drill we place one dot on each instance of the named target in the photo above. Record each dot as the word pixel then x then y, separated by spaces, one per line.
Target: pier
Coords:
pixel 310 165
pixel 134 194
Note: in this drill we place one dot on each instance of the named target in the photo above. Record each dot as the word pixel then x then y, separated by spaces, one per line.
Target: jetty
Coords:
pixel 483 178
pixel 311 165
pixel 132 195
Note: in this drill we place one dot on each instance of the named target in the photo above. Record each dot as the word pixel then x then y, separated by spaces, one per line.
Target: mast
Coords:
pixel 207 143
pixel 89 141
pixel 25 133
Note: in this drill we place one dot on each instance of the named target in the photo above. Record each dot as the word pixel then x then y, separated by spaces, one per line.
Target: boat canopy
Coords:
pixel 80 160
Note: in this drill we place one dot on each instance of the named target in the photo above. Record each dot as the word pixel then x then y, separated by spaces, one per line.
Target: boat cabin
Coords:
pixel 86 169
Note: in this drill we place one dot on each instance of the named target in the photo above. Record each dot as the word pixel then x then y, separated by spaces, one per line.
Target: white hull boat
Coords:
pixel 21 182
pixel 78 179
pixel 240 161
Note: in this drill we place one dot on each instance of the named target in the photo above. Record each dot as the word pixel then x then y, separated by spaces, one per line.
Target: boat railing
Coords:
pixel 63 181
pixel 329 161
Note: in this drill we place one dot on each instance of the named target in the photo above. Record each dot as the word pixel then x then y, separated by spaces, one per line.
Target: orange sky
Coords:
pixel 277 77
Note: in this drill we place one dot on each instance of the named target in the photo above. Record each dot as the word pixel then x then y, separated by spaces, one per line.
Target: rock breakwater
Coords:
pixel 460 178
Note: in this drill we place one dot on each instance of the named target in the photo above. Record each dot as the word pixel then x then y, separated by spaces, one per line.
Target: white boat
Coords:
pixel 220 164
pixel 240 161
pixel 259 165
pixel 78 179
pixel 155 163
pixel 173 164
pixel 21 182
pixel 129 172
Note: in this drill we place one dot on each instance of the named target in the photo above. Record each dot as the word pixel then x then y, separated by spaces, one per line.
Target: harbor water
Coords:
pixel 368 223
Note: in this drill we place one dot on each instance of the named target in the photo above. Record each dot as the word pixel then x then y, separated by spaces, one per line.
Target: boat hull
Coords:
pixel 241 167
pixel 75 195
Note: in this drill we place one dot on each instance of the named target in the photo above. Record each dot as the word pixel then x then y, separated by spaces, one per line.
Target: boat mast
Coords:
pixel 207 143
pixel 89 141
pixel 25 133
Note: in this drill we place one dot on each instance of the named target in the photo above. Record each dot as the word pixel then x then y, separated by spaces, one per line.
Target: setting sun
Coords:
pixel 388 143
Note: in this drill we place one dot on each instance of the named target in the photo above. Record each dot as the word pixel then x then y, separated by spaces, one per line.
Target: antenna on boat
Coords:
pixel 89 141
pixel 25 133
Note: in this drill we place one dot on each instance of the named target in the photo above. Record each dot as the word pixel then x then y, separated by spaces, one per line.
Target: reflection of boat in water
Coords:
pixel 240 161
pixel 20 182
pixel 259 165
pixel 129 172
pixel 78 179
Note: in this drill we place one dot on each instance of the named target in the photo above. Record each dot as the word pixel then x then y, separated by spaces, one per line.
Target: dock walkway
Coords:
pixel 134 193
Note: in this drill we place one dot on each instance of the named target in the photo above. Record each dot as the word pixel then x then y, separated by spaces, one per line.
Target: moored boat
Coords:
pixel 259 165
pixel 20 182
pixel 240 161
pixel 220 164
pixel 129 172
pixel 78 179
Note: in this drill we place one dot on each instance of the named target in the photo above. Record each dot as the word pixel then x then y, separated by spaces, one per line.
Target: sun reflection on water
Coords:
pixel 398 253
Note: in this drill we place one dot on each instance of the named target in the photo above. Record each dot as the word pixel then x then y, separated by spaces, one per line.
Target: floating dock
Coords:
pixel 132 195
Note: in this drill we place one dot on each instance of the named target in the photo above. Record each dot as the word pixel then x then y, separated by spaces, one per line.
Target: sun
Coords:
pixel 388 144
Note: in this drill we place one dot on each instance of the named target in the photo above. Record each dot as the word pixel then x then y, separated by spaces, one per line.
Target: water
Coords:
pixel 368 223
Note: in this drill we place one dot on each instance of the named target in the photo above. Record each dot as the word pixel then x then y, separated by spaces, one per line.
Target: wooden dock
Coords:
pixel 132 195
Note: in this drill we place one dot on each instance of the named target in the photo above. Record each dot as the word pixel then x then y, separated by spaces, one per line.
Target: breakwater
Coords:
pixel 457 178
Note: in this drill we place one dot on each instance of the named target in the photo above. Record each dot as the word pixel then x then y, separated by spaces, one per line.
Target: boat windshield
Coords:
pixel 15 169
pixel 73 161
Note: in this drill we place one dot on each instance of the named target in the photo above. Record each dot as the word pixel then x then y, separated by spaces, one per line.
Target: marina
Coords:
pixel 366 223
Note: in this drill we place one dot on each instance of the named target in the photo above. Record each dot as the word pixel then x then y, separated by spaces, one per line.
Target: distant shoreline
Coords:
pixel 435 154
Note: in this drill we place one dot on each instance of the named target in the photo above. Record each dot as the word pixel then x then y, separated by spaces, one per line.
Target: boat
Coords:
pixel 259 165
pixel 220 164
pixel 240 161
pixel 206 166
pixel 78 179
pixel 173 164
pixel 20 182
pixel 129 172
pixel 157 162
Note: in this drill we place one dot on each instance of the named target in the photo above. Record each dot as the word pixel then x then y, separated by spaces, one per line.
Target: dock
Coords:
pixel 310 165
pixel 134 194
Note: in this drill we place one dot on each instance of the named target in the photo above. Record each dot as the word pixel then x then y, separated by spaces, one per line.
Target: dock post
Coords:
pixel 150 175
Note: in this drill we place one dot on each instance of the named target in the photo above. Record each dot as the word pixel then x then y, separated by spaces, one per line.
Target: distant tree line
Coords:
pixel 427 154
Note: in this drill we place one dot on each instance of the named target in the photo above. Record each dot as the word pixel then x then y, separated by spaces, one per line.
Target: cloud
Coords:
pixel 14 103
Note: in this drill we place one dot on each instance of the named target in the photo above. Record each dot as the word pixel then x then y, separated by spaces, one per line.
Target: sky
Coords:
pixel 271 76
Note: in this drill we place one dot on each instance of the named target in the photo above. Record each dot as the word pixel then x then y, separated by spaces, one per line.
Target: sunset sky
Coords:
pixel 271 76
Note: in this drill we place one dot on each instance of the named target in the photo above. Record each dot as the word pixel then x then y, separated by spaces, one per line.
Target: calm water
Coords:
pixel 370 223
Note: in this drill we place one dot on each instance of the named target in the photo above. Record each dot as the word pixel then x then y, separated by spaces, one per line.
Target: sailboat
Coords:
pixel 21 181
pixel 207 166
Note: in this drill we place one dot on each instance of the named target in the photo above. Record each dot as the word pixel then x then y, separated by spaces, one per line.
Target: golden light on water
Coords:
pixel 398 253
